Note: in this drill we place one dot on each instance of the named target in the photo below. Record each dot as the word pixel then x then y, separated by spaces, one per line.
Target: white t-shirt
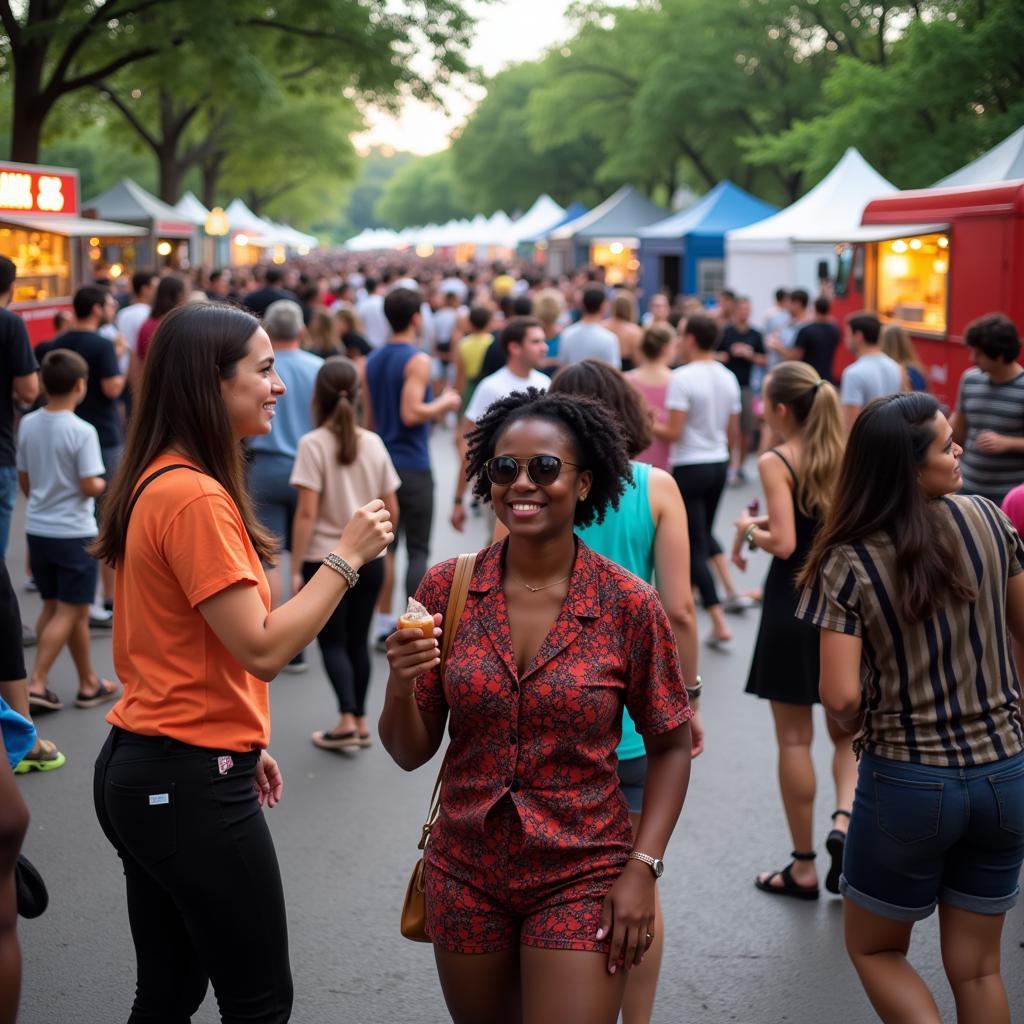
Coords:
pixel 57 449
pixel 129 320
pixel 375 323
pixel 499 384
pixel 709 394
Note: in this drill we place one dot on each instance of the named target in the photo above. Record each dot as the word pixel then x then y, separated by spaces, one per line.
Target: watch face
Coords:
pixel 658 867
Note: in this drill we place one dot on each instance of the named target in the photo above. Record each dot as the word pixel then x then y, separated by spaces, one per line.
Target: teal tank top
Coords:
pixel 627 537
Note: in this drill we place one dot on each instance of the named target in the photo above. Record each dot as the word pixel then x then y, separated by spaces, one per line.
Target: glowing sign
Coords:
pixel 27 189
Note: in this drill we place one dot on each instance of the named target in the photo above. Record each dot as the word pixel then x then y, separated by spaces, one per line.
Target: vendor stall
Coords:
pixel 686 252
pixel 939 258
pixel 606 237
pixel 42 232
pixel 795 248
pixel 249 242
pixel 170 240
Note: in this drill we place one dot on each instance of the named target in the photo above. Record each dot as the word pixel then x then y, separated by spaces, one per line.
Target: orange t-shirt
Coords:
pixel 186 542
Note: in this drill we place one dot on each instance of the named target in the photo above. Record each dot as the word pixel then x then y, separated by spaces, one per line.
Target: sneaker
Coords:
pixel 297 665
pixel 737 603
pixel 731 477
pixel 100 618
pixel 28 636
pixel 31 586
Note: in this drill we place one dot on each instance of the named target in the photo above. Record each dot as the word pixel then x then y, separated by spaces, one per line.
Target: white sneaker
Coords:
pixel 738 603
pixel 100 617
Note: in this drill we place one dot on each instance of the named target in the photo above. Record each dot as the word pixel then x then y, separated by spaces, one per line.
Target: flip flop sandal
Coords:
pixel 45 701
pixel 365 740
pixel 48 759
pixel 835 844
pixel 717 643
pixel 107 691
pixel 789 887
pixel 327 740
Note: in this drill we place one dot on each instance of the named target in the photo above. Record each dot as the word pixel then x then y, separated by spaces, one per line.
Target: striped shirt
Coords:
pixel 943 691
pixel 998 407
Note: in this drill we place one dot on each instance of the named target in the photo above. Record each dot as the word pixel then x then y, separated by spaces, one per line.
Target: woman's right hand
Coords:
pixel 410 654
pixel 368 533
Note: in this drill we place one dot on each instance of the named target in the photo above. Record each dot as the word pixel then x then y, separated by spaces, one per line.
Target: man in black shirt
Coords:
pixel 95 306
pixel 741 348
pixel 258 301
pixel 19 381
pixel 816 342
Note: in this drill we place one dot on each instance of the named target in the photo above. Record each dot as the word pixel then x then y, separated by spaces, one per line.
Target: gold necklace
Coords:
pixel 535 590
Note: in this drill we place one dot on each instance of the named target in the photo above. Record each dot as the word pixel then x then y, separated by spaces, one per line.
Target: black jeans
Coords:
pixel 701 485
pixel 343 640
pixel 205 901
pixel 415 518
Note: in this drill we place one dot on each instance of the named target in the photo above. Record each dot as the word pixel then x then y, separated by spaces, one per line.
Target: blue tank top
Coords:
pixel 627 537
pixel 385 377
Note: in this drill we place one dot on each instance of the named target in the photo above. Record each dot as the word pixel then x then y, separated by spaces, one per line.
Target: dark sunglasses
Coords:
pixel 503 470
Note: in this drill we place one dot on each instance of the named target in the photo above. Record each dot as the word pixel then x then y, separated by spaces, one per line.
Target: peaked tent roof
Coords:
pixel 828 213
pixel 129 201
pixel 623 213
pixel 725 207
pixel 189 207
pixel 1004 162
pixel 241 218
pixel 542 216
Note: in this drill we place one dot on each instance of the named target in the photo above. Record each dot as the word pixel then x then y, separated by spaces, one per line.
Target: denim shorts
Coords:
pixel 63 569
pixel 273 497
pixel 922 835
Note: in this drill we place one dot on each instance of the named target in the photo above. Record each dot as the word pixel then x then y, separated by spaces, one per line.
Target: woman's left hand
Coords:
pixel 269 783
pixel 628 916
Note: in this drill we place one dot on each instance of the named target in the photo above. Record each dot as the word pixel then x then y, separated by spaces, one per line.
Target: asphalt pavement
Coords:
pixel 346 834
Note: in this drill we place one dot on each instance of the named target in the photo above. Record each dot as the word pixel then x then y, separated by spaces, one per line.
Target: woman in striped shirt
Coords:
pixel 916 590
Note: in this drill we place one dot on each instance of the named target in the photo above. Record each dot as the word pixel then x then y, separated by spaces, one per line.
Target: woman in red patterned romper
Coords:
pixel 538 900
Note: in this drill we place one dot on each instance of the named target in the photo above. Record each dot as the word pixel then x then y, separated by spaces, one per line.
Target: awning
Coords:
pixel 73 227
pixel 884 232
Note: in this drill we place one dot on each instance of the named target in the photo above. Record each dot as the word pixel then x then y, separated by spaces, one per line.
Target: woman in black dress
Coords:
pixel 798 477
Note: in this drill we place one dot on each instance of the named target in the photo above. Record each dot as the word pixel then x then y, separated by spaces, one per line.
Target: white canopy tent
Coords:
pixel 542 216
pixel 787 249
pixel 191 209
pixel 1004 162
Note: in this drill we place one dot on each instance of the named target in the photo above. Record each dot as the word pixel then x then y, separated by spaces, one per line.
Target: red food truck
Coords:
pixel 51 245
pixel 958 254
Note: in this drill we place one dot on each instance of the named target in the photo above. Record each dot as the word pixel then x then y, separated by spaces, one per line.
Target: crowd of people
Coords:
pixel 220 469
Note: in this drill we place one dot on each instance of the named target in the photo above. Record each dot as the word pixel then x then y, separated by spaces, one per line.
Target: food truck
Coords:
pixel 42 232
pixel 940 258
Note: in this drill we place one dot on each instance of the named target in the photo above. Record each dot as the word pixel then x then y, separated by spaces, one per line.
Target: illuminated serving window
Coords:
pixel 619 262
pixel 43 262
pixel 911 281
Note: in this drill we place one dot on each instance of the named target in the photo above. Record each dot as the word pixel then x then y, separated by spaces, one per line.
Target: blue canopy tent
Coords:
pixel 686 252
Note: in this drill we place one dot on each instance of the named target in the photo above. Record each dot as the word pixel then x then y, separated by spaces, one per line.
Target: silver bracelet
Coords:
pixel 693 692
pixel 339 565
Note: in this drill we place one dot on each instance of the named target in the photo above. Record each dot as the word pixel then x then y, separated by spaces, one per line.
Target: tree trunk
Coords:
pixel 211 179
pixel 171 174
pixel 29 107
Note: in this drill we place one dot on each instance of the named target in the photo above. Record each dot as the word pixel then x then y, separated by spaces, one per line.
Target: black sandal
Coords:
pixel 789 886
pixel 835 844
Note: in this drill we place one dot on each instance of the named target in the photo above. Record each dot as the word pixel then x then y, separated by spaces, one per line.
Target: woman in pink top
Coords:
pixel 655 353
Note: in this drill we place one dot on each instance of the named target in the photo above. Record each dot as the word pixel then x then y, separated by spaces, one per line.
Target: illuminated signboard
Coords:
pixel 25 188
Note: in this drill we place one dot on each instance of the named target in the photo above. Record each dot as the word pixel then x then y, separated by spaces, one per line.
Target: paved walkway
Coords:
pixel 346 836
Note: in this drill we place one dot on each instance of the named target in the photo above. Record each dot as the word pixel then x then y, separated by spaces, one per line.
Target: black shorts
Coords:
pixel 632 776
pixel 62 568
pixel 12 657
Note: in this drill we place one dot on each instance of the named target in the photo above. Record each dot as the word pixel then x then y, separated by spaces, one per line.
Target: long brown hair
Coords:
pixel 815 408
pixel 878 492
pixel 335 400
pixel 179 406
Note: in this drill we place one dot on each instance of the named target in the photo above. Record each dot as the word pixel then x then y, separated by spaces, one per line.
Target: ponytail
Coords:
pixel 335 399
pixel 816 408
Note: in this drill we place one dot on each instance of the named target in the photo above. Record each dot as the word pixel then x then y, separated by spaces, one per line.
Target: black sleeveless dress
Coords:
pixel 785 665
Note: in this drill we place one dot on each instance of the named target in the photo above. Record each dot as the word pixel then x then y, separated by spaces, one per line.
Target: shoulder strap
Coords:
pixel 453 613
pixel 149 479
pixel 785 462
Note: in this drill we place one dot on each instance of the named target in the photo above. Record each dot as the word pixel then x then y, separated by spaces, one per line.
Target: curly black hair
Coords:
pixel 595 434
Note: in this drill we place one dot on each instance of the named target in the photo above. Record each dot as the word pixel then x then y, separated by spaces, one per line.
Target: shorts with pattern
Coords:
pixel 487 893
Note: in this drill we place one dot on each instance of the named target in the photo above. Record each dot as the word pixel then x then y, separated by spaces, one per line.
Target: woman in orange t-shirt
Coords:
pixel 183 775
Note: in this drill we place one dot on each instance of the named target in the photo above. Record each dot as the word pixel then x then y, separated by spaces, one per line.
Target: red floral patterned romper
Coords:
pixel 533 829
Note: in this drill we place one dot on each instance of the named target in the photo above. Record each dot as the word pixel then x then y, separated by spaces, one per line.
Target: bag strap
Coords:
pixel 453 615
pixel 149 479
